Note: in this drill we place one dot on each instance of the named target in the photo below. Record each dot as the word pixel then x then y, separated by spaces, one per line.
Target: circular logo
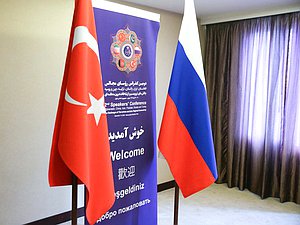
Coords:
pixel 126 50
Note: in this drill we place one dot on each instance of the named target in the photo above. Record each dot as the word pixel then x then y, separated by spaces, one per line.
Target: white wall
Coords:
pixel 33 44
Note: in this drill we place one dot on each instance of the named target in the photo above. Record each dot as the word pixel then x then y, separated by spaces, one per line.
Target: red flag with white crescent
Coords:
pixel 80 142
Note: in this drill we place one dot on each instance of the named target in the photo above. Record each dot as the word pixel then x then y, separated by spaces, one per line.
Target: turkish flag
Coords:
pixel 80 142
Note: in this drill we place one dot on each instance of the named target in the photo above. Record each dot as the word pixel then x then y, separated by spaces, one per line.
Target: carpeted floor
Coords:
pixel 220 205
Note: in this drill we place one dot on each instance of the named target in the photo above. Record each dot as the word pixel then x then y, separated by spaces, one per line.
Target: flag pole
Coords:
pixel 74 199
pixel 85 202
pixel 176 204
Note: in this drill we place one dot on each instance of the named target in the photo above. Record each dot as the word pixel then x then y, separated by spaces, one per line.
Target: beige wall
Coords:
pixel 33 43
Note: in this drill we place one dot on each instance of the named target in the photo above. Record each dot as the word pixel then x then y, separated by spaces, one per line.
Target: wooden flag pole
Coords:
pixel 176 204
pixel 74 199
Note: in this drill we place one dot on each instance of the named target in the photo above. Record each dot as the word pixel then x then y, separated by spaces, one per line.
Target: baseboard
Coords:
pixel 165 186
pixel 58 218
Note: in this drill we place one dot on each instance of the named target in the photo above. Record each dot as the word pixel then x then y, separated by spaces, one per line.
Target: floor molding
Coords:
pixel 58 218
pixel 165 186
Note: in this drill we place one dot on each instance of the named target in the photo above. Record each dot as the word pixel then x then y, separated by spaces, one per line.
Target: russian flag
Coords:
pixel 185 137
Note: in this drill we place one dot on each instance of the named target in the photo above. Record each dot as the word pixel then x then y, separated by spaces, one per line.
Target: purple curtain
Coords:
pixel 252 72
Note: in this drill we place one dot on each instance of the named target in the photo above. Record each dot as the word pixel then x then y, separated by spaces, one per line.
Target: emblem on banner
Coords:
pixel 126 50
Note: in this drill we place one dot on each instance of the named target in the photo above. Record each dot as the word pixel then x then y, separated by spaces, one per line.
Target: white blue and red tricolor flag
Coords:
pixel 185 137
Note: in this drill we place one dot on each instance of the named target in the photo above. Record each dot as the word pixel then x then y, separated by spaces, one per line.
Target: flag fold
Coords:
pixel 80 142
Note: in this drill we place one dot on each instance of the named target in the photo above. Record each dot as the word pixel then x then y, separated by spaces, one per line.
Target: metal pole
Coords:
pixel 176 204
pixel 85 203
pixel 74 199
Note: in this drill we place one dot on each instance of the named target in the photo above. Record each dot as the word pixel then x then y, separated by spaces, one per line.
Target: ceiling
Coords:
pixel 207 9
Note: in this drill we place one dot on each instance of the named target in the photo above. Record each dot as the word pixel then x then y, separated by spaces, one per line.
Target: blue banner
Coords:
pixel 127 46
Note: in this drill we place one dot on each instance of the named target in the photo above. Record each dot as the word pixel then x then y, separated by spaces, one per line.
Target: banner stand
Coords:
pixel 176 204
